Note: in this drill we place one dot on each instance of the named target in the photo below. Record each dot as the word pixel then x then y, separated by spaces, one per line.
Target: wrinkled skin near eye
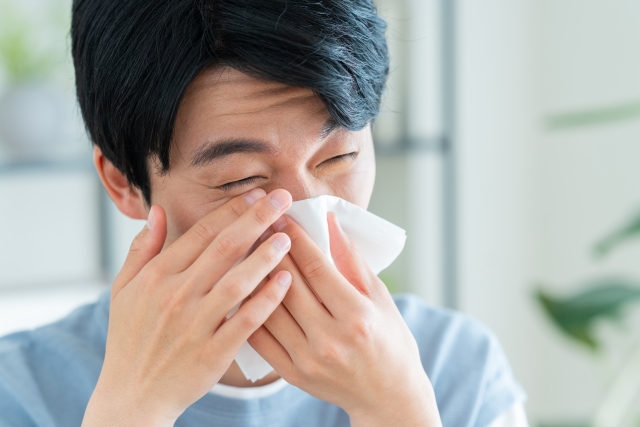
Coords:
pixel 283 137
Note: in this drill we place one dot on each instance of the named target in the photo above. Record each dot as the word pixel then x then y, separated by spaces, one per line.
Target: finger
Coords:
pixel 322 276
pixel 272 351
pixel 236 240
pixel 242 279
pixel 146 245
pixel 300 301
pixel 348 259
pixel 239 327
pixel 188 247
pixel 286 330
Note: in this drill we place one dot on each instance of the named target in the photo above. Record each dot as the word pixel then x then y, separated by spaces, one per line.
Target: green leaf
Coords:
pixel 21 55
pixel 575 315
pixel 625 233
pixel 592 117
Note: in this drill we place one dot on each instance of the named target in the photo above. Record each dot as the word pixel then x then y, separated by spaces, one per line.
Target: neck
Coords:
pixel 234 377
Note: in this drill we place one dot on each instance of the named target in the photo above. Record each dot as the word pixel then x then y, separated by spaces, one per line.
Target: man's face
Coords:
pixel 234 133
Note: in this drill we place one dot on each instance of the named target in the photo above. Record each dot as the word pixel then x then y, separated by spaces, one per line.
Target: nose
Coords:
pixel 301 185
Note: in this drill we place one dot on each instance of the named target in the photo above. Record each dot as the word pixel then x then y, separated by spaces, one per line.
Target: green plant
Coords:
pixel 604 298
pixel 628 231
pixel 576 315
pixel 26 53
pixel 593 117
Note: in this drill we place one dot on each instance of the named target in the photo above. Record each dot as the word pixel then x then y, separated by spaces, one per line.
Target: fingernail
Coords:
pixel 280 199
pixel 150 219
pixel 284 278
pixel 280 224
pixel 255 195
pixel 281 242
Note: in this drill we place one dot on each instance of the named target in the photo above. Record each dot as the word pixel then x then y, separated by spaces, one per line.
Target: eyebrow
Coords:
pixel 209 151
pixel 329 126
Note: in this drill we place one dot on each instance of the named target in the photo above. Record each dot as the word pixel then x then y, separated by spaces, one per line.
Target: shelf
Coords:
pixel 410 145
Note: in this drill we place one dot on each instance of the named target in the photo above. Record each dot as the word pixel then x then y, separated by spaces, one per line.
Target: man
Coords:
pixel 208 118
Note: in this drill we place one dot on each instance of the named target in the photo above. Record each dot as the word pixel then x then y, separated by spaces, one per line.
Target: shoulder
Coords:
pixel 34 364
pixel 464 361
pixel 81 331
pixel 442 332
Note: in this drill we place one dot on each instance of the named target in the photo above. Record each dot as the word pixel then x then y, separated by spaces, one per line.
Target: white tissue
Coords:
pixel 379 241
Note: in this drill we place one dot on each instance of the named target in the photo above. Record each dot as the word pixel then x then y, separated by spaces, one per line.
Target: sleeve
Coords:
pixel 515 417
pixel 468 369
pixel 21 404
pixel 500 389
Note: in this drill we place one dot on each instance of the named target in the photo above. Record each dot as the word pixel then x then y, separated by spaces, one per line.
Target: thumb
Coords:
pixel 349 262
pixel 146 245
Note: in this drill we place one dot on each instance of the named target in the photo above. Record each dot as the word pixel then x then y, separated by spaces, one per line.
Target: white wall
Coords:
pixel 409 183
pixel 588 177
pixel 497 155
pixel 50 254
pixel 49 228
pixel 534 201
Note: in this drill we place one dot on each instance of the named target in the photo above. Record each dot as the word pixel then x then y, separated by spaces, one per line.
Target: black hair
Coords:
pixel 134 60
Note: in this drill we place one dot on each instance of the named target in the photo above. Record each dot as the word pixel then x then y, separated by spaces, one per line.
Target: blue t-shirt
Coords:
pixel 47 376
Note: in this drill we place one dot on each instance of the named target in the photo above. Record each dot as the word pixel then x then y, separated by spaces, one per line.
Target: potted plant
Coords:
pixel 604 298
pixel 34 115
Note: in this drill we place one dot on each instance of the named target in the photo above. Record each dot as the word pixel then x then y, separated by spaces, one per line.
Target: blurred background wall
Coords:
pixel 507 147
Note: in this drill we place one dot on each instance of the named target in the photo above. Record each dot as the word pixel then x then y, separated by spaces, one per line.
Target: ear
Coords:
pixel 128 199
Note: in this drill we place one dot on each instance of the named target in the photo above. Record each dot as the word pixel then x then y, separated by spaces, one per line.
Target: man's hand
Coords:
pixel 341 337
pixel 169 341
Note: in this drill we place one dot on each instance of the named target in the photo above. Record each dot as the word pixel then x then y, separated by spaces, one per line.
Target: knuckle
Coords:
pixel 137 244
pixel 250 320
pixel 294 235
pixel 362 330
pixel 314 268
pixel 269 255
pixel 203 230
pixel 172 303
pixel 273 297
pixel 328 353
pixel 262 216
pixel 154 273
pixel 237 208
pixel 233 290
pixel 225 245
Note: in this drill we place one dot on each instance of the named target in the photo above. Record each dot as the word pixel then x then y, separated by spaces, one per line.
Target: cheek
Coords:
pixel 185 200
pixel 357 186
pixel 184 212
pixel 179 221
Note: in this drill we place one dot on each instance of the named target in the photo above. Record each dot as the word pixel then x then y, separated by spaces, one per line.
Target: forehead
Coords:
pixel 224 100
pixel 225 104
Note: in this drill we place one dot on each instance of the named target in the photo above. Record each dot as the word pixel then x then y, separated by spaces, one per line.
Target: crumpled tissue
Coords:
pixel 379 241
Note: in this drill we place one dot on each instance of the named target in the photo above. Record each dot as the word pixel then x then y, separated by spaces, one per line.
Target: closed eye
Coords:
pixel 341 158
pixel 240 183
